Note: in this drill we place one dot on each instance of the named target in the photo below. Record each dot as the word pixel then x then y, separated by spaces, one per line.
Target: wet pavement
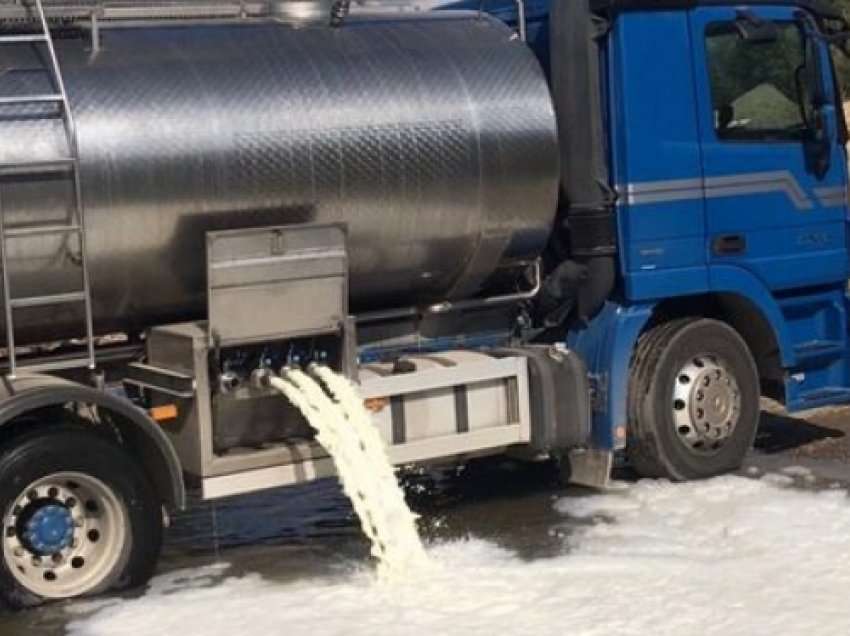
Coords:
pixel 310 531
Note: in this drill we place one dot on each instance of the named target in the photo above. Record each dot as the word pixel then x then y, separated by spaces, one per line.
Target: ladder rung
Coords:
pixel 31 99
pixel 62 164
pixel 49 299
pixel 39 230
pixel 22 38
pixel 53 365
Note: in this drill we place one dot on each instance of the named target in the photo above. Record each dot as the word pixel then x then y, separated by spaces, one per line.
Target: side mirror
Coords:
pixel 813 98
pixel 817 146
pixel 752 28
pixel 814 73
pixel 811 68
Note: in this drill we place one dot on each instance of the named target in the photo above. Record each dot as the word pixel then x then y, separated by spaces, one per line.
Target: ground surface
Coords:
pixel 517 554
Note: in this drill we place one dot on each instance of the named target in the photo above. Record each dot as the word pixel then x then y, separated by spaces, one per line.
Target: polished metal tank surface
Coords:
pixel 432 138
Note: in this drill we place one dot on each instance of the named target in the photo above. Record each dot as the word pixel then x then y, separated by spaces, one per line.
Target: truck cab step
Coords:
pixel 817 349
pixel 823 396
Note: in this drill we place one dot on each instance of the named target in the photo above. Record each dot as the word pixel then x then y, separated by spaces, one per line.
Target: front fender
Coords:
pixel 142 437
pixel 606 346
pixel 728 279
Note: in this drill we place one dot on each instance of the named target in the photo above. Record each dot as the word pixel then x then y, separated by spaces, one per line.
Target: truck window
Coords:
pixel 754 90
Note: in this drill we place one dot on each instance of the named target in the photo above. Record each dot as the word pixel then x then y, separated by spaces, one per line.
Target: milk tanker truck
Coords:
pixel 611 251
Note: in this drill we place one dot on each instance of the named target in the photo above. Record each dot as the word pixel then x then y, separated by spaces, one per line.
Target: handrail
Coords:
pixel 448 306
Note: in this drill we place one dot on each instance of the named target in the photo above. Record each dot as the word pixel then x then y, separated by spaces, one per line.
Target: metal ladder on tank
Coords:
pixel 75 227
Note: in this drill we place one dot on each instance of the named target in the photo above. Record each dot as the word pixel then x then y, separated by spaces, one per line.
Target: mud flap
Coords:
pixel 591 468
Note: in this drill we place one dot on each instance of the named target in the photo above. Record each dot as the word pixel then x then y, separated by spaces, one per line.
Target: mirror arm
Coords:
pixel 801 96
pixel 812 35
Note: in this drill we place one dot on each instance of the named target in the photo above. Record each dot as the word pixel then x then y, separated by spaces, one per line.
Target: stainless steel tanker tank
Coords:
pixel 432 138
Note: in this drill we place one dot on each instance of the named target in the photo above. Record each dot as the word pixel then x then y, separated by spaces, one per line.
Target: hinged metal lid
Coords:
pixel 276 283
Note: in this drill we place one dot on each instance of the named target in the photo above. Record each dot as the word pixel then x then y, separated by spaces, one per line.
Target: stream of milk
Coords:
pixel 344 428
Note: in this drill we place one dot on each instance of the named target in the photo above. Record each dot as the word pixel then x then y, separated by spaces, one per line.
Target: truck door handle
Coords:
pixel 727 244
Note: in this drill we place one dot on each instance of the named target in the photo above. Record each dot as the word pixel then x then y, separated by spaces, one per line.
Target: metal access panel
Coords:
pixel 178 372
pixel 428 409
pixel 449 404
pixel 276 283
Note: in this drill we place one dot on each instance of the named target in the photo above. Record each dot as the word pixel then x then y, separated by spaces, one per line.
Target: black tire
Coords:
pixel 654 447
pixel 52 450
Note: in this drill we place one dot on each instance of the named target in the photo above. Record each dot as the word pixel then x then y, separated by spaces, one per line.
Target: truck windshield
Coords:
pixel 754 85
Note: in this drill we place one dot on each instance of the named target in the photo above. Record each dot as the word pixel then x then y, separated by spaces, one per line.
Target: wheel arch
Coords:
pixel 130 426
pixel 756 325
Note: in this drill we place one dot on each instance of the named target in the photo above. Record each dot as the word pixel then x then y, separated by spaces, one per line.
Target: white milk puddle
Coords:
pixel 346 431
pixel 730 556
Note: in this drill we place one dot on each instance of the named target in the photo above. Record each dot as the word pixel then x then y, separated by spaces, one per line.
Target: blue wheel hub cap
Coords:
pixel 50 529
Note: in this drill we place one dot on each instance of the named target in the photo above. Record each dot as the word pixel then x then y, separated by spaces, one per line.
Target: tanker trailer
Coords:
pixel 228 196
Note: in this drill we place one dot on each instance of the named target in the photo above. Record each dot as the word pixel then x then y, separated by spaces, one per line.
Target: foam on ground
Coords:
pixel 730 556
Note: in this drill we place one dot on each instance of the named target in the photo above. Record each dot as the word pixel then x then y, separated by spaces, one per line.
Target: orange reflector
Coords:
pixel 376 404
pixel 164 412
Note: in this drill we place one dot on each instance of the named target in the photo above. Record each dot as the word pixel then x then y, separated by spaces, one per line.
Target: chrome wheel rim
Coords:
pixel 706 404
pixel 64 535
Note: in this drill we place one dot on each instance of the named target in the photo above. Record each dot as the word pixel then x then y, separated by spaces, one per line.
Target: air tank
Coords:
pixel 432 138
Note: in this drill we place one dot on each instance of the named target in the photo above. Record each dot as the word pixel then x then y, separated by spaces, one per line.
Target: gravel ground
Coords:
pixel 818 439
pixel 816 434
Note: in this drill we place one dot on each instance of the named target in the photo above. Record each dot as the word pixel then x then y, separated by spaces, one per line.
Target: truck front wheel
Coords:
pixel 693 400
pixel 79 517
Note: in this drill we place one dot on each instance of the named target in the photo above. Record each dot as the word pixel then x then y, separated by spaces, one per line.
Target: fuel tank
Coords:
pixel 432 138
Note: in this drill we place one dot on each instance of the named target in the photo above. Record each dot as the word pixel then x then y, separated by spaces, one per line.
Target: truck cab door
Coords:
pixel 774 170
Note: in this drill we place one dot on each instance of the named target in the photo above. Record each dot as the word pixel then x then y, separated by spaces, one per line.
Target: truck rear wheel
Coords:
pixel 693 400
pixel 79 517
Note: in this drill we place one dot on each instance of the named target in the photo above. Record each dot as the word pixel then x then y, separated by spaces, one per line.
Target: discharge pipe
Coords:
pixel 448 306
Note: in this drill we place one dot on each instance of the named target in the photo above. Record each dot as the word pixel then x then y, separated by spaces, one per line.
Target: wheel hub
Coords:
pixel 706 404
pixel 64 534
pixel 49 530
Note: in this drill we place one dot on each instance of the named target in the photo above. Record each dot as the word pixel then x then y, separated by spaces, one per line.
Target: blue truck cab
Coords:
pixel 722 137
pixel 716 135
